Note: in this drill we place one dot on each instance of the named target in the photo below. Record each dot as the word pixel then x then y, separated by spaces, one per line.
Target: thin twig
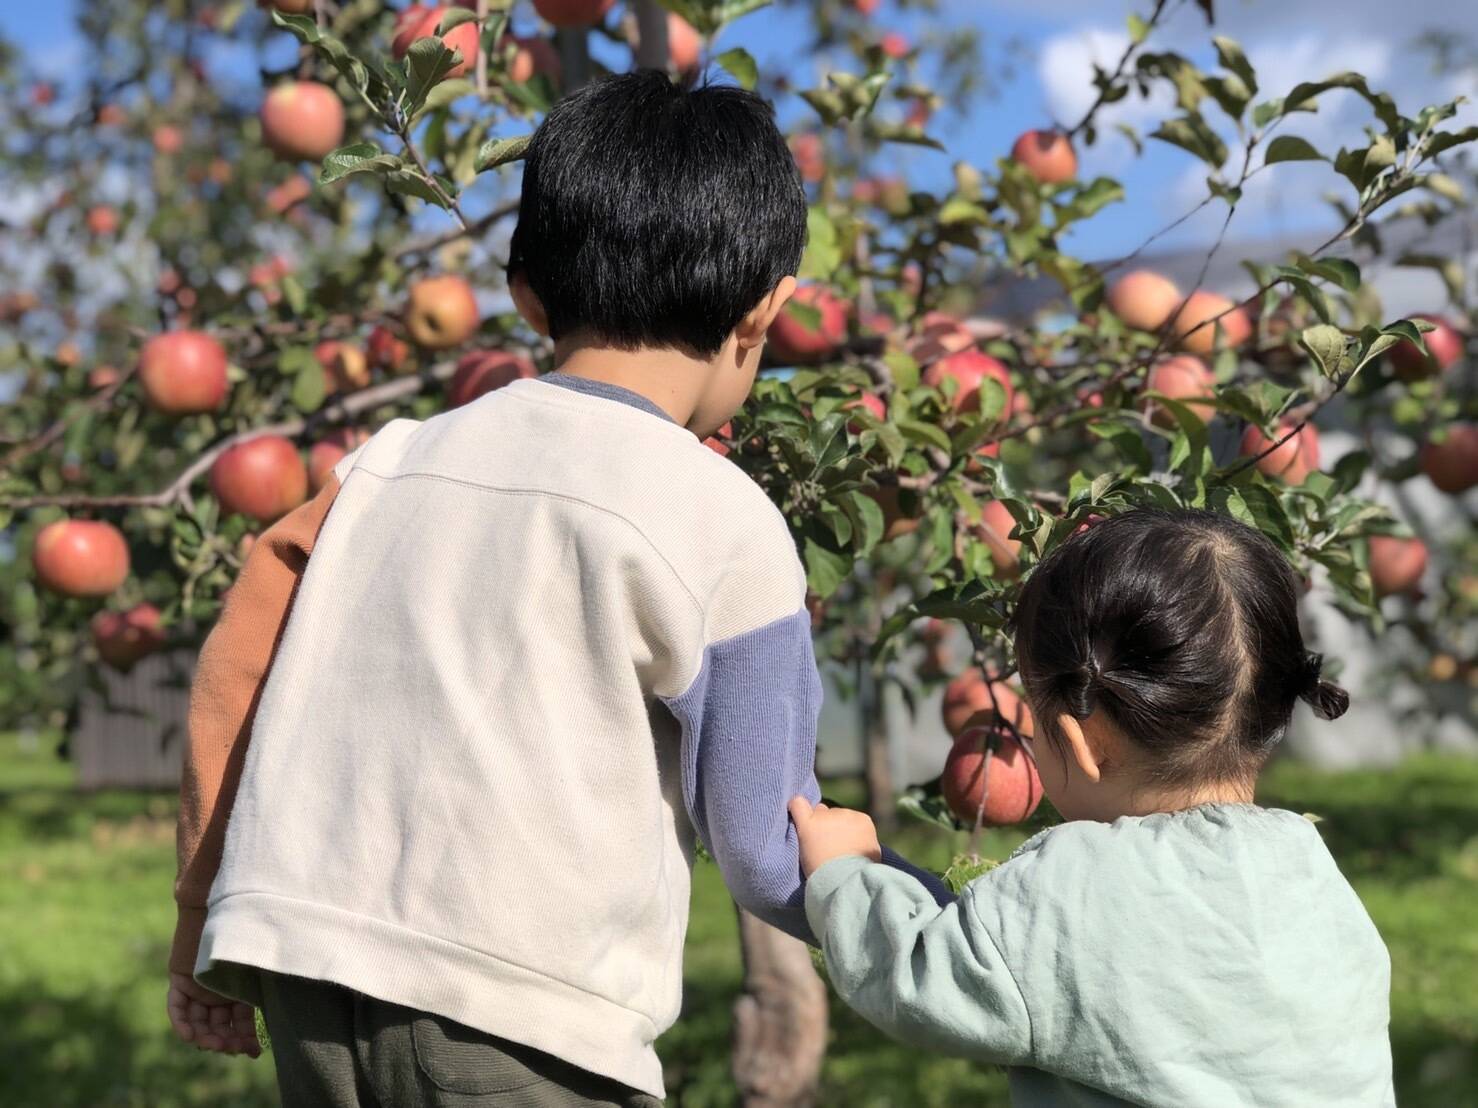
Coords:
pixel 1129 52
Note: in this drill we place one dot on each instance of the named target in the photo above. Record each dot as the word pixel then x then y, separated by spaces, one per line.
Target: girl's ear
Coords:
pixel 752 328
pixel 1079 749
pixel 528 304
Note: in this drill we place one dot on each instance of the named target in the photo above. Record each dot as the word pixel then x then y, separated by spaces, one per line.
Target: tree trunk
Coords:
pixel 877 757
pixel 651 31
pixel 573 44
pixel 780 1020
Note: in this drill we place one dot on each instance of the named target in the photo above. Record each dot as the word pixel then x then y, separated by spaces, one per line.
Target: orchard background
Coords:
pixel 1057 268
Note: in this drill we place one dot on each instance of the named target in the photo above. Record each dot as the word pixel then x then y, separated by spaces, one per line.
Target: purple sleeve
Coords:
pixel 749 745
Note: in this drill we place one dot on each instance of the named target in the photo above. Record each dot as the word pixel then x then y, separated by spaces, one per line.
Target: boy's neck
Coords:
pixel 668 378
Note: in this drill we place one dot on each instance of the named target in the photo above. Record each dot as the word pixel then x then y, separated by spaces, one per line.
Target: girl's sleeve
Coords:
pixel 930 975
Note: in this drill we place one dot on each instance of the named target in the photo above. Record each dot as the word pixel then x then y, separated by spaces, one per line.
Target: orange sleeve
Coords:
pixel 228 683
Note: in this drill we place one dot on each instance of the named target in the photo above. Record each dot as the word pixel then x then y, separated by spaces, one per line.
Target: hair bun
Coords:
pixel 1328 700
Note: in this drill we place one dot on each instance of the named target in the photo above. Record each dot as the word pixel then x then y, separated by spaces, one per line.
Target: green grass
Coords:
pixel 85 918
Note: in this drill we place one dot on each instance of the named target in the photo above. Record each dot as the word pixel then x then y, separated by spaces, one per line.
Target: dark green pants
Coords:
pixel 336 1048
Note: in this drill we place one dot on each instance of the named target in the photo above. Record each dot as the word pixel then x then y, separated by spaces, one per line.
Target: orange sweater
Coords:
pixel 223 700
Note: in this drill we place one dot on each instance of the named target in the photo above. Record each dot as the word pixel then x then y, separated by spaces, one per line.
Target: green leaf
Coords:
pixel 927 434
pixel 1230 93
pixel 1192 133
pixel 823 250
pixel 359 157
pixel 408 183
pixel 1446 140
pixel 453 19
pixel 1291 148
pixel 1128 441
pixel 501 151
pixel 445 93
pixel 309 388
pixel 1444 186
pixel 992 400
pixel 1096 195
pixel 1229 53
pixel 907 133
pixel 1138 29
pixel 741 65
pixel 1326 345
pixel 825 569
pixel 1342 271
pixel 426 62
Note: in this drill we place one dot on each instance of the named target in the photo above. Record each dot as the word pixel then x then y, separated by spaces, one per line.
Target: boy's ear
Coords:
pixel 752 328
pixel 1079 748
pixel 528 304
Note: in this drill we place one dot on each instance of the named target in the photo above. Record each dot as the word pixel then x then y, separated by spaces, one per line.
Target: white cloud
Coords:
pixel 1065 68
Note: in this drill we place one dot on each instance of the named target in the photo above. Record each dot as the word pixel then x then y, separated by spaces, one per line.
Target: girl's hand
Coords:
pixel 211 1021
pixel 828 833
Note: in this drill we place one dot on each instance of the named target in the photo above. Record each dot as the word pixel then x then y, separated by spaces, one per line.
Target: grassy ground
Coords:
pixel 85 918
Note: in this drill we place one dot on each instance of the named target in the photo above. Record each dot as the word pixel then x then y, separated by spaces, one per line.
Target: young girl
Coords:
pixel 1172 943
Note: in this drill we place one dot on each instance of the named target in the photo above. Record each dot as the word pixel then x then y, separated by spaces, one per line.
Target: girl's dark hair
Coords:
pixel 1182 627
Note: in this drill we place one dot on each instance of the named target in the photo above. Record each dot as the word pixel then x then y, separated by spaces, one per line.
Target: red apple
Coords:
pixel 302 120
pixel 442 312
pixel 344 365
pixel 1183 378
pixel 1046 155
pixel 716 442
pixel 102 377
pixel 122 638
pixel 386 351
pixel 894 45
pixel 994 529
pixel 810 156
pixel 111 115
pixel 168 139
pixel 1232 324
pixel 262 477
pixel 968 369
pixel 1451 460
pixel 291 7
pixel 1444 346
pixel 989 768
pixel 482 371
pixel 462 38
pixel 865 7
pixel 77 557
pixel 68 353
pixel 1291 462
pixel 796 342
pixel 329 451
pixel 573 13
pixel 102 220
pixel 43 93
pixel 533 57
pixel 1143 299
pixel 1396 565
pixel 896 521
pixel 183 372
pixel 684 44
pixel 869 401
pixel 289 194
pixel 941 334
pixel 969 694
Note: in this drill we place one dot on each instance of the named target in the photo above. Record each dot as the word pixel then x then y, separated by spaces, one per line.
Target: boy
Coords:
pixel 534 644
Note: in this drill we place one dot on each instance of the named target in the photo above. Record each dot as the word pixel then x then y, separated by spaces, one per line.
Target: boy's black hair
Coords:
pixel 1182 627
pixel 657 216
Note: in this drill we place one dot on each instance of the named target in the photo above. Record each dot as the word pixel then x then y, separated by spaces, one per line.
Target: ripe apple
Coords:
pixel 462 38
pixel 1396 565
pixel 442 312
pixel 329 451
pixel 968 369
pixel 717 441
pixel 1046 155
pixel 796 342
pixel 262 477
pixel 684 44
pixel 1444 346
pixel 1144 299
pixel 302 120
pixel 102 220
pixel 1451 460
pixel 969 694
pixel 43 93
pixel 1293 461
pixel 942 334
pixel 869 401
pixel 344 365
pixel 111 115
pixel 291 7
pixel 1234 327
pixel 896 521
pixel 482 371
pixel 289 194
pixel 77 557
pixel 386 351
pixel 865 7
pixel 102 377
pixel 183 372
pixel 122 638
pixel 988 766
pixel 533 57
pixel 994 529
pixel 68 353
pixel 573 13
pixel 1183 378
pixel 809 155
pixel 894 45
pixel 168 139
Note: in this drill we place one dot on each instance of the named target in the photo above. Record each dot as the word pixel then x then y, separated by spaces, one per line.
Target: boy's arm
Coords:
pixel 929 975
pixel 228 682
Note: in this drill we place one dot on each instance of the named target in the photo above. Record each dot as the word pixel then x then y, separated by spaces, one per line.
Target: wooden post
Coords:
pixel 780 1020
pixel 651 32
pixel 877 753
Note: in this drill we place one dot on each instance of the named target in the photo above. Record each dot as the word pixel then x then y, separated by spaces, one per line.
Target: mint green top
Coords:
pixel 1211 957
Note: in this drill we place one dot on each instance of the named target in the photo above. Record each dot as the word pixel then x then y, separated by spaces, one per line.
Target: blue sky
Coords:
pixel 1287 41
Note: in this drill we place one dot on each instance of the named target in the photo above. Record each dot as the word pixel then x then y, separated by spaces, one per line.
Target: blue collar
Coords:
pixel 606 391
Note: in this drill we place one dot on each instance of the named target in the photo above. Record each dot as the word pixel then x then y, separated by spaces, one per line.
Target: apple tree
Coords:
pixel 246 236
